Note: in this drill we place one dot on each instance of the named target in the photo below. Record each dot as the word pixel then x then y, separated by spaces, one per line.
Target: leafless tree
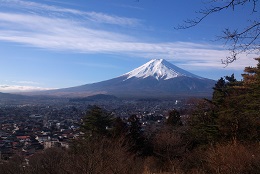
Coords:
pixel 246 40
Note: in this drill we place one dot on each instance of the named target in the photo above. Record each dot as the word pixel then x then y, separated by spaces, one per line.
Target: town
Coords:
pixel 27 128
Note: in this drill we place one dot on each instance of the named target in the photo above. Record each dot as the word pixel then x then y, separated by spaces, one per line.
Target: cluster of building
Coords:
pixel 27 134
pixel 28 129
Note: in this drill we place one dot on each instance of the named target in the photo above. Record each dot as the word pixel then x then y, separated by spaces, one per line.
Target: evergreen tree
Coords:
pixel 174 118
pixel 251 98
pixel 96 121
pixel 203 127
pixel 239 114
pixel 119 128
pixel 135 138
pixel 219 91
pixel 237 106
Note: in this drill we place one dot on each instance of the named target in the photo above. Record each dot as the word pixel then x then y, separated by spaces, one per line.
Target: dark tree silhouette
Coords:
pixel 96 121
pixel 119 128
pixel 174 118
pixel 135 138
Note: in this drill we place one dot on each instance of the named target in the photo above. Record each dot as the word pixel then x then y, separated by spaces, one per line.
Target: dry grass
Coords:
pixel 233 159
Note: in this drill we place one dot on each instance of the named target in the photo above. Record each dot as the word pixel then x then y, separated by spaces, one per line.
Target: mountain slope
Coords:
pixel 156 78
pixel 5 96
pixel 159 69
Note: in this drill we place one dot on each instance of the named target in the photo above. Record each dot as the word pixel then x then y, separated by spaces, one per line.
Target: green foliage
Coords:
pixel 135 139
pixel 219 91
pixel 96 121
pixel 239 114
pixel 202 124
pixel 234 111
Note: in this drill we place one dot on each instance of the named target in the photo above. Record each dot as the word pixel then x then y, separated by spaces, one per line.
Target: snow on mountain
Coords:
pixel 157 79
pixel 160 69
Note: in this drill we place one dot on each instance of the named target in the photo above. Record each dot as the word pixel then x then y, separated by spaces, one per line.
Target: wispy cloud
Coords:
pixel 131 7
pixel 97 65
pixel 111 19
pixel 49 27
pixel 20 88
pixel 26 82
pixel 55 11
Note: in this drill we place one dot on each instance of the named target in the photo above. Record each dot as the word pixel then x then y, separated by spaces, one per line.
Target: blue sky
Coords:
pixel 48 44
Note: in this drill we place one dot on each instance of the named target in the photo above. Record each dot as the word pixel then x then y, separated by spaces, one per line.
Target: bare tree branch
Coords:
pixel 239 41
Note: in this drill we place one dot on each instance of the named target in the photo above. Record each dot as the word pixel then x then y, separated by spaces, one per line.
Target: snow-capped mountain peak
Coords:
pixel 159 69
pixel 155 79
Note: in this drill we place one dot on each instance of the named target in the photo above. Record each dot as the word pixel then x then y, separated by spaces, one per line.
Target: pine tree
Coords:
pixel 135 139
pixel 119 128
pixel 219 92
pixel 203 127
pixel 174 118
pixel 96 121
pixel 238 114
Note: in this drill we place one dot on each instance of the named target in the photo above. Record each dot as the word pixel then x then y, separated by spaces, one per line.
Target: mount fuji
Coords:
pixel 159 69
pixel 156 78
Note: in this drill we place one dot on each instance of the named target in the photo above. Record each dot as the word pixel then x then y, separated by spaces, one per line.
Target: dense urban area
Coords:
pixel 26 129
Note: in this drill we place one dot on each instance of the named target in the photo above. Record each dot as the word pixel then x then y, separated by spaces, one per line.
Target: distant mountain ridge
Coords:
pixel 156 78
pixel 98 97
pixel 4 96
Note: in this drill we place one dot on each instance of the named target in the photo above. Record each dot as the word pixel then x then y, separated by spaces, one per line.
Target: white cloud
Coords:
pixel 104 18
pixel 19 88
pixel 56 11
pixel 56 32
pixel 26 82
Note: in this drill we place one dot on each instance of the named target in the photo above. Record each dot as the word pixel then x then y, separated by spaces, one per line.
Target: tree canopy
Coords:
pixel 233 113
pixel 96 121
